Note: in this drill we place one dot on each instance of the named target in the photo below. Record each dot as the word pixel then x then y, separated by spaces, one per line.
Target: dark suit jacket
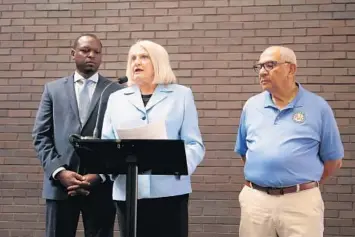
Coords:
pixel 58 118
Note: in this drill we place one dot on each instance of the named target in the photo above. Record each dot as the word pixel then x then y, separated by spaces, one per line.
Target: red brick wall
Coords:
pixel 212 45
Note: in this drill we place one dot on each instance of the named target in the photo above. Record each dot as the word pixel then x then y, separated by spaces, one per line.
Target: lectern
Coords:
pixel 130 157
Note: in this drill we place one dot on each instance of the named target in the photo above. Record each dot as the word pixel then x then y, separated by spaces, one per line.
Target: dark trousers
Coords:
pixel 98 214
pixel 158 217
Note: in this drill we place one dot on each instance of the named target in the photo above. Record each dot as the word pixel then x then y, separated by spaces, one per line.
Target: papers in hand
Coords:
pixel 154 130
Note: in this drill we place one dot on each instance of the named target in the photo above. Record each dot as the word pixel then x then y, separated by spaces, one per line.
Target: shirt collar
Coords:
pixel 296 102
pixel 93 78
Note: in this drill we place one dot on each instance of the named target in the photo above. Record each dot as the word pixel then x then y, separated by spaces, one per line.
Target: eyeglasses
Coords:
pixel 268 66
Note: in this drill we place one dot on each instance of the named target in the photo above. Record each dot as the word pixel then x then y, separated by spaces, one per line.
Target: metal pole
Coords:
pixel 131 196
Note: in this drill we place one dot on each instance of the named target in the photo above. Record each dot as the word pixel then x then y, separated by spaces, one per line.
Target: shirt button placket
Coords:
pixel 277 118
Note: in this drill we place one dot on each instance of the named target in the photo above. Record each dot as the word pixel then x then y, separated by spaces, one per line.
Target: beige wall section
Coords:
pixel 212 45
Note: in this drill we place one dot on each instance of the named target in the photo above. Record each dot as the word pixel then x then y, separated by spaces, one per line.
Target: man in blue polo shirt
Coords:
pixel 289 141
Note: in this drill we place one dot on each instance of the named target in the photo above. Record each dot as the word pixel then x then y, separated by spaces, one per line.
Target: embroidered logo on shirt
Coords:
pixel 298 117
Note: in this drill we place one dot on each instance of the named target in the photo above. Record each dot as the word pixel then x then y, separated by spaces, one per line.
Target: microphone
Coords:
pixel 121 80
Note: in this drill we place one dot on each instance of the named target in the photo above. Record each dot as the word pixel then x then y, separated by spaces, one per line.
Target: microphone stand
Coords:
pixel 76 137
pixel 121 80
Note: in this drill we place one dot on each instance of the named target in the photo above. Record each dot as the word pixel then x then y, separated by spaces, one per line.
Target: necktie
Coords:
pixel 84 101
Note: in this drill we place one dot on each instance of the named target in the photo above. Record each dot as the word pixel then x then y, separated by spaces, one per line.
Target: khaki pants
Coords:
pixel 291 215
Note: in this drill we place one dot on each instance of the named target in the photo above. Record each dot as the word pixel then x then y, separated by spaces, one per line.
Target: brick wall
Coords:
pixel 212 45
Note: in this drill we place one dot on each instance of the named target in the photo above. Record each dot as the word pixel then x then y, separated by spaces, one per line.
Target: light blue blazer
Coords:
pixel 175 105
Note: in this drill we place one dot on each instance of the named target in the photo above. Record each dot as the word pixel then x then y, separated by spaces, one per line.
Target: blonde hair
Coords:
pixel 286 54
pixel 163 73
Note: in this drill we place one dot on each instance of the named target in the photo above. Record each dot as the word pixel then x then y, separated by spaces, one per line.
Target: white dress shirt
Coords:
pixel 78 86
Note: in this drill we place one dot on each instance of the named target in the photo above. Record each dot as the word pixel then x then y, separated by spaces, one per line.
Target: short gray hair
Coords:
pixel 286 54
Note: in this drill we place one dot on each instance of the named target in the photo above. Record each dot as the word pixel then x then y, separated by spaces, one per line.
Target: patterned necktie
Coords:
pixel 84 101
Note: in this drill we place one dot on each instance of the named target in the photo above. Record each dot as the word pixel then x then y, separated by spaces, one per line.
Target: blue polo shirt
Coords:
pixel 289 146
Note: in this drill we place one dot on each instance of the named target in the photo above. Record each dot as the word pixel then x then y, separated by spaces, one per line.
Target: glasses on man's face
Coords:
pixel 268 66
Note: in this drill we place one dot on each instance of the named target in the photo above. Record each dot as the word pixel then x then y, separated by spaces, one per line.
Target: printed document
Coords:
pixel 154 130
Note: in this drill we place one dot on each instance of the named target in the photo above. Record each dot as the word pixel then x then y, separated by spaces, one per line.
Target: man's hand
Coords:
pixel 69 178
pixel 92 179
pixel 89 181
pixel 329 168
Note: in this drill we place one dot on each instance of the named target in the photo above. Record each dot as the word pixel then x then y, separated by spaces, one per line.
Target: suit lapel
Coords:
pixel 69 87
pixel 134 97
pixel 160 93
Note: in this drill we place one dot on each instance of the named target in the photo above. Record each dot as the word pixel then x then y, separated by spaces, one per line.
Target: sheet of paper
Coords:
pixel 155 130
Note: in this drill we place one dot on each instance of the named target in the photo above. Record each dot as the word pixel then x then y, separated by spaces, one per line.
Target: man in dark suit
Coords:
pixel 70 106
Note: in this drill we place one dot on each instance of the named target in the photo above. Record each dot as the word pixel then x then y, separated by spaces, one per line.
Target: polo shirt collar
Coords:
pixel 296 102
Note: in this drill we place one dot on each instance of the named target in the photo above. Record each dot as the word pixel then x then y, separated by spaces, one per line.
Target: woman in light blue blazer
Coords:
pixel 153 96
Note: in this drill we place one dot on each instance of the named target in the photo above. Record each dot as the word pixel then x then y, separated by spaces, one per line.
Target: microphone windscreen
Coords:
pixel 122 80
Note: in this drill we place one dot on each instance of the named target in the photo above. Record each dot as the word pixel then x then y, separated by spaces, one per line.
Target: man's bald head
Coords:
pixel 279 54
